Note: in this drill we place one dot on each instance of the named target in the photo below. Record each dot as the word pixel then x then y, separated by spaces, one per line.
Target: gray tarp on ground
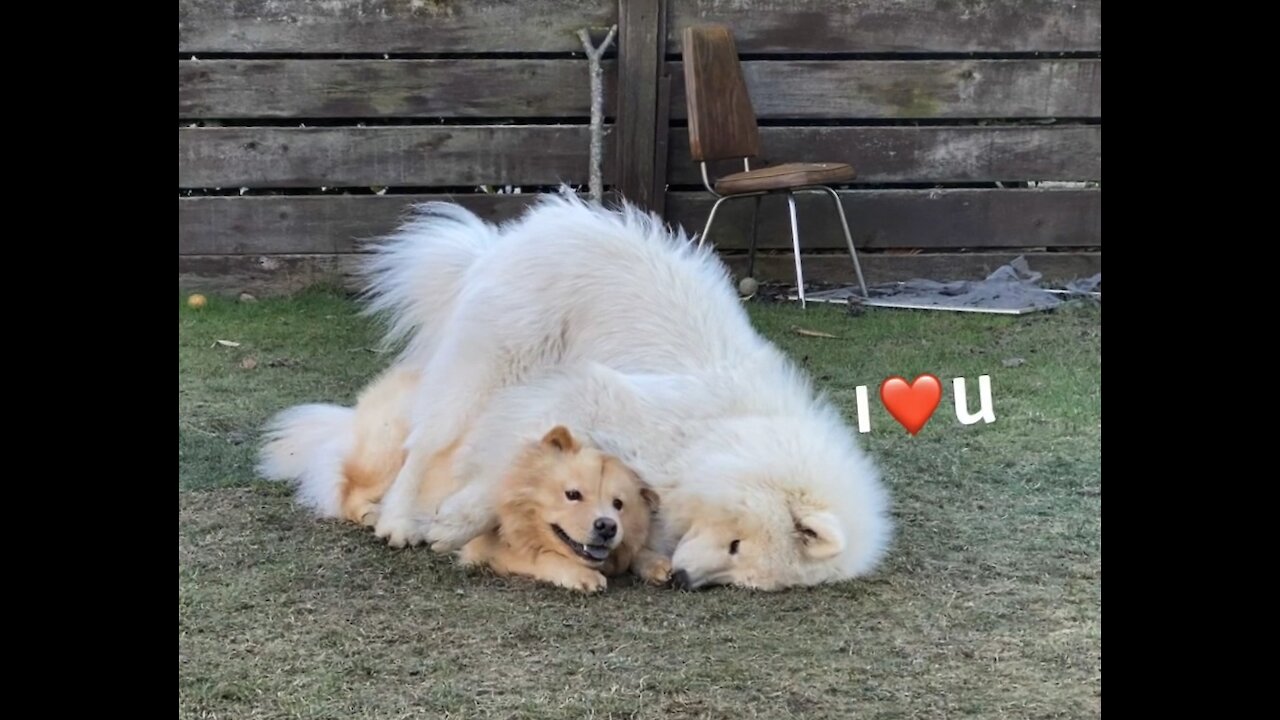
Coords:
pixel 1011 287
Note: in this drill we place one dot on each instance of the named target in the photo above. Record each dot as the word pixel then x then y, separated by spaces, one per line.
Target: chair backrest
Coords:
pixel 722 123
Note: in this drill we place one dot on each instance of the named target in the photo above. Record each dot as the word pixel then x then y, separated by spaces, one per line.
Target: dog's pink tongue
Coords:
pixel 597 552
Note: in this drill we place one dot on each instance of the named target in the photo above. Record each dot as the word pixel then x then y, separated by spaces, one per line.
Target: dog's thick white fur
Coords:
pixel 309 444
pixel 612 323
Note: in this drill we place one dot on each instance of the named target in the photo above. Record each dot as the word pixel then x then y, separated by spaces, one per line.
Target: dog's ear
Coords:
pixel 648 494
pixel 559 438
pixel 820 534
pixel 651 497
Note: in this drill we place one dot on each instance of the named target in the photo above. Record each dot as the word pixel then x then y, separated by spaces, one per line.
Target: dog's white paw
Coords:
pixel 400 531
pixel 587 581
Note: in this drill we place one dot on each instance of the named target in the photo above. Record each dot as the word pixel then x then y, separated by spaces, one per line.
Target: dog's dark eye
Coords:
pixel 573 495
pixel 733 547
pixel 617 504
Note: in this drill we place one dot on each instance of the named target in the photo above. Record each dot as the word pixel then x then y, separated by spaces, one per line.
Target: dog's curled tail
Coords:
pixel 307 445
pixel 413 277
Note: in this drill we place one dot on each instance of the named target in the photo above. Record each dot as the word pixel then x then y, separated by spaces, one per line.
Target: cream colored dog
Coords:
pixel 568 514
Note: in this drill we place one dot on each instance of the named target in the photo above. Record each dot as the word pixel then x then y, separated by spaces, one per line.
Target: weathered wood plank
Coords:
pixel 640 60
pixel 923 154
pixel 879 219
pixel 907 219
pixel 276 274
pixel 789 89
pixel 886 26
pixel 263 157
pixel 272 157
pixel 917 89
pixel 502 88
pixel 761 26
pixel 387 26
pixel 310 224
pixel 265 275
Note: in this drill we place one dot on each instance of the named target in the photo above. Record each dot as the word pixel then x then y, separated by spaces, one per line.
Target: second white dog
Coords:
pixel 610 322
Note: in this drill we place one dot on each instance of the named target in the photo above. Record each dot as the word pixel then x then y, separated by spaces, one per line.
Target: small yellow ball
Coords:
pixel 197 301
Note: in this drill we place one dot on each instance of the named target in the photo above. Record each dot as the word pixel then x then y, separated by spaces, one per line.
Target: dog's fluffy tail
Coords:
pixel 413 277
pixel 307 445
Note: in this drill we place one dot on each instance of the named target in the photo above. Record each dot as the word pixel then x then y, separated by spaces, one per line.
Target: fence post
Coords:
pixel 641 122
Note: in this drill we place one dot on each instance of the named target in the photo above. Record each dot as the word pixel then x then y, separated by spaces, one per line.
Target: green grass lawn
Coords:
pixel 990 603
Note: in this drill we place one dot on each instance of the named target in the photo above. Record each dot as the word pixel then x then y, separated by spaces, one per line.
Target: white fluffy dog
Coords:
pixel 611 323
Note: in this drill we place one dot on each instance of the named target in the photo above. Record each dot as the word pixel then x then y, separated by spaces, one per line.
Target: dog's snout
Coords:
pixel 606 528
pixel 680 580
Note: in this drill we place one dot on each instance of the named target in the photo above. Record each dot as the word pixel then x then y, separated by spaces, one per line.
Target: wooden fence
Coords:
pixel 305 127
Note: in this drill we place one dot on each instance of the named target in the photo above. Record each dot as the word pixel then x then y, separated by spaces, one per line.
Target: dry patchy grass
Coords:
pixel 990 604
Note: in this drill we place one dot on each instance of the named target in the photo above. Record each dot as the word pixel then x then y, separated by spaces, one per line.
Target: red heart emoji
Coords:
pixel 912 405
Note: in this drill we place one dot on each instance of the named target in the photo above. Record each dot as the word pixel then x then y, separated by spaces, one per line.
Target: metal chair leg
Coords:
pixel 848 238
pixel 751 252
pixel 795 244
pixel 707 228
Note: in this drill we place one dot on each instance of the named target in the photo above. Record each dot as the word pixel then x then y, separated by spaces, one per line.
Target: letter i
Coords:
pixel 864 411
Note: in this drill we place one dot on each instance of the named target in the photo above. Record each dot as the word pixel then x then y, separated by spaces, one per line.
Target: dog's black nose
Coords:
pixel 606 528
pixel 680 580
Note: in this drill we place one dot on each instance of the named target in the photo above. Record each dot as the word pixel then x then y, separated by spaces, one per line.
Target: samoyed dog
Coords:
pixel 612 323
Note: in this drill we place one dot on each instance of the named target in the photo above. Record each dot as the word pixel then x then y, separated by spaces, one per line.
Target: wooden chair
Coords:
pixel 722 126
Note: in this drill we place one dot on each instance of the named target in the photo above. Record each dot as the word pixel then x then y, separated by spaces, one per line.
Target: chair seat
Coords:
pixel 783 177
